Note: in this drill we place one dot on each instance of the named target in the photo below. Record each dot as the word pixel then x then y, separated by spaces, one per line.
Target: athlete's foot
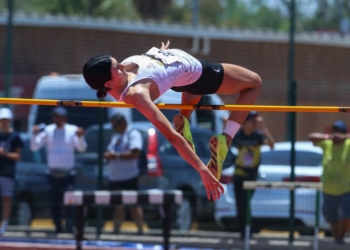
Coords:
pixel 182 126
pixel 218 149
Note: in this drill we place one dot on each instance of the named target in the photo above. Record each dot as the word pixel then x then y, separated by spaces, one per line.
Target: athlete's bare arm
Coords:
pixel 140 98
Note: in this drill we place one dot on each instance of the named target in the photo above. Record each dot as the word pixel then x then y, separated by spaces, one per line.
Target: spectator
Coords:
pixel 248 141
pixel 61 140
pixel 122 155
pixel 335 178
pixel 10 152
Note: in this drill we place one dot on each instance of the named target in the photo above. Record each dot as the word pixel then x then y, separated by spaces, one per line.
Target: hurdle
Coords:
pixel 82 199
pixel 104 104
pixel 251 185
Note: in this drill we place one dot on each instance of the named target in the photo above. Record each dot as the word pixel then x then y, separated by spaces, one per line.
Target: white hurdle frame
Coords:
pixel 251 185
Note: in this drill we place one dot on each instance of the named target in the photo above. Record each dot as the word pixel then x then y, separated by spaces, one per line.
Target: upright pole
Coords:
pixel 79 223
pixel 291 117
pixel 90 10
pixel 100 169
pixel 195 13
pixel 317 219
pixel 166 225
pixel 8 49
pixel 248 221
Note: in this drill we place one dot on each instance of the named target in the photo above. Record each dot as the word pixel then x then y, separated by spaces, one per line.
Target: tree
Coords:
pixel 101 8
pixel 325 18
pixel 120 9
pixel 152 9
pixel 210 12
pixel 244 14
pixel 258 14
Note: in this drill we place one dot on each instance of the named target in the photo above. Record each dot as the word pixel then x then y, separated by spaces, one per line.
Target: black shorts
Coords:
pixel 130 185
pixel 208 83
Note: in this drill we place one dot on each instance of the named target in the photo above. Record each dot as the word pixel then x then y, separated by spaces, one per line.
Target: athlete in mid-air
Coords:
pixel 141 79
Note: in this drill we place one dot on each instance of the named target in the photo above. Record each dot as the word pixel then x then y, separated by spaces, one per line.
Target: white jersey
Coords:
pixel 167 68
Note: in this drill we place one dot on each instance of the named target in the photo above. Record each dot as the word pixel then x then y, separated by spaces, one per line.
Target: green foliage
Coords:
pixel 326 17
pixel 151 9
pixel 101 8
pixel 210 12
pixel 179 13
pixel 230 13
pixel 256 15
pixel 120 9
pixel 77 7
pixel 245 14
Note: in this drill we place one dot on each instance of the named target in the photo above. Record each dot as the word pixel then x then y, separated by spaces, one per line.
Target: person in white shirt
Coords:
pixel 122 155
pixel 61 140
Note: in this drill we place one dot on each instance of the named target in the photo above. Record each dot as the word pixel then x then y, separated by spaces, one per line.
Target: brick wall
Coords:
pixel 321 71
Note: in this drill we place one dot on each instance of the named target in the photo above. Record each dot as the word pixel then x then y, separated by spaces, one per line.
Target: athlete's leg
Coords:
pixel 181 123
pixel 189 99
pixel 245 82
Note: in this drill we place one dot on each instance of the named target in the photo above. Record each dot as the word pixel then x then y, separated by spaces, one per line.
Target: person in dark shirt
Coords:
pixel 10 152
pixel 248 141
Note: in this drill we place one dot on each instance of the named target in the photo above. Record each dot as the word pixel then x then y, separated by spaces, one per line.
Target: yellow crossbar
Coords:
pixel 269 108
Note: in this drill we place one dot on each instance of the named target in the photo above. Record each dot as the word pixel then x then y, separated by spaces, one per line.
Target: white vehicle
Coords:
pixel 74 87
pixel 270 207
pixel 65 87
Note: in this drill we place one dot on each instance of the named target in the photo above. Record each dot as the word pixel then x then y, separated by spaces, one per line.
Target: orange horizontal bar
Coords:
pixel 269 108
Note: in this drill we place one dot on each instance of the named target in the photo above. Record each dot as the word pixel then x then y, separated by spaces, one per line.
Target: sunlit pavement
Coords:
pixel 196 239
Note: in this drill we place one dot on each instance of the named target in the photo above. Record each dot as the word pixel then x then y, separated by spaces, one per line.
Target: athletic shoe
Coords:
pixel 182 126
pixel 218 149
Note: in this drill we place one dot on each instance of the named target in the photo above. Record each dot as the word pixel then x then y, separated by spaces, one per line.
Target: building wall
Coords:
pixel 321 71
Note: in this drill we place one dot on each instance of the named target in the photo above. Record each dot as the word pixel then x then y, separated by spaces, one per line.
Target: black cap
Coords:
pixel 251 115
pixel 118 118
pixel 340 125
pixel 61 111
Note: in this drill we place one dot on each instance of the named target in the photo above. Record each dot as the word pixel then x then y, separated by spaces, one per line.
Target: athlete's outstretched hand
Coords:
pixel 165 46
pixel 211 184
